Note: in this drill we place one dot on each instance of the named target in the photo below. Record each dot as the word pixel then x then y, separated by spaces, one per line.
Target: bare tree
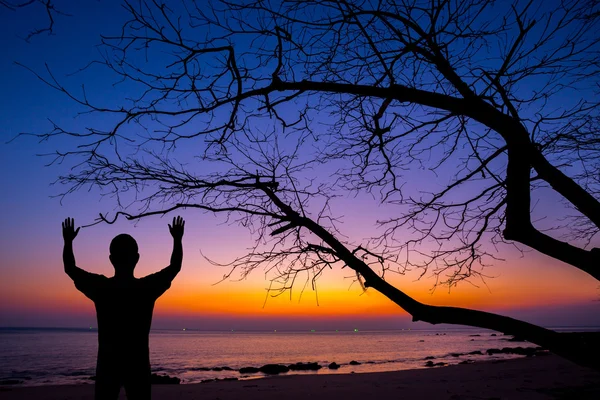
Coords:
pixel 46 6
pixel 499 98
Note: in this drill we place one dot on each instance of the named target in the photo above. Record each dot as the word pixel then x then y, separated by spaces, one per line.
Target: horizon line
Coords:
pixel 185 329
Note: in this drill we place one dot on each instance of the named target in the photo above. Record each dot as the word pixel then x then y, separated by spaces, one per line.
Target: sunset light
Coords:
pixel 199 191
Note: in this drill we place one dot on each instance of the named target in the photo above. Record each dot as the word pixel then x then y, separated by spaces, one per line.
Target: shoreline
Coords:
pixel 68 358
pixel 545 377
pixel 225 373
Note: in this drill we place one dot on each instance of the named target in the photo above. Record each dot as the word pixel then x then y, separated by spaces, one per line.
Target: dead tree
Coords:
pixel 46 6
pixel 504 94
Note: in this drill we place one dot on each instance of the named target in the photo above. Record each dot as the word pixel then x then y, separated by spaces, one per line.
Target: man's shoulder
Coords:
pixel 157 283
pixel 90 277
pixel 89 283
pixel 153 276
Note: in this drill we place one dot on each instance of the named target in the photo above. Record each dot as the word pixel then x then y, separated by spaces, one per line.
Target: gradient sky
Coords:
pixel 34 291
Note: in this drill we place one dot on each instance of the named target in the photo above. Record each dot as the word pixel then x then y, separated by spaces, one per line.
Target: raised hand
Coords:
pixel 177 228
pixel 68 230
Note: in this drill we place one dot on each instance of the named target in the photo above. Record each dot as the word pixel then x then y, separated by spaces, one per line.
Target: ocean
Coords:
pixel 42 356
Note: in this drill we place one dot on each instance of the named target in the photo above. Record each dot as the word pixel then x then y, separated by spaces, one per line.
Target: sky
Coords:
pixel 34 291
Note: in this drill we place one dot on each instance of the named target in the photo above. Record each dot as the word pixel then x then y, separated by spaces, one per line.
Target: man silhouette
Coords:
pixel 124 306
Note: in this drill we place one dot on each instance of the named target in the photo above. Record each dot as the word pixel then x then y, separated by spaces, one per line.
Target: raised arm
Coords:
pixel 69 234
pixel 160 281
pixel 84 281
pixel 177 255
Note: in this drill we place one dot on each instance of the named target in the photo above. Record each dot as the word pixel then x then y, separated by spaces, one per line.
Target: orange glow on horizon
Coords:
pixel 194 293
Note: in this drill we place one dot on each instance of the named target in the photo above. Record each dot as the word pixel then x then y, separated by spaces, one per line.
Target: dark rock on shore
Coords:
pixel 523 351
pixel 475 335
pixel 273 369
pixel 429 358
pixel 249 370
pixel 475 353
pixel 217 369
pixel 333 365
pixel 156 379
pixel 353 362
pixel 299 366
pixel 432 364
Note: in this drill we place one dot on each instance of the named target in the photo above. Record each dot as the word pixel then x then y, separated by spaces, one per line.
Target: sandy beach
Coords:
pixel 546 377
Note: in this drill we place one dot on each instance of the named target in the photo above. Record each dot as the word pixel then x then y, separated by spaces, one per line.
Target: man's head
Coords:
pixel 124 253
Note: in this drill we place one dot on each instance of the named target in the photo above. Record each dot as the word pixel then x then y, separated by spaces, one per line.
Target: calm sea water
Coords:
pixel 60 356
